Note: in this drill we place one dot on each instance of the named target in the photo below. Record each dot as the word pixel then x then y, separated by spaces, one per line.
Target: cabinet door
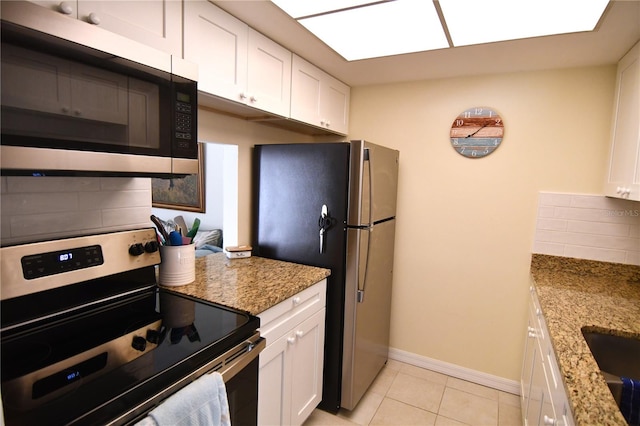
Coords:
pixel 527 365
pixel 306 81
pixel 155 23
pixel 66 7
pixel 268 75
pixel 307 366
pixel 624 160
pixel 317 98
pixel 274 383
pixel 537 392
pixel 335 105
pixel 217 42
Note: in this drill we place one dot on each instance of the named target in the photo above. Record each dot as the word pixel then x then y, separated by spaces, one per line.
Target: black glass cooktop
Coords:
pixel 89 367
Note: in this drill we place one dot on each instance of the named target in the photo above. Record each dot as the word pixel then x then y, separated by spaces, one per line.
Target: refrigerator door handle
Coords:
pixel 368 228
pixel 361 288
pixel 324 223
pixel 367 158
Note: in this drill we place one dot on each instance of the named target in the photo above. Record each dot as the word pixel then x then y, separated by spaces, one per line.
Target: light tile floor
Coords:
pixel 403 394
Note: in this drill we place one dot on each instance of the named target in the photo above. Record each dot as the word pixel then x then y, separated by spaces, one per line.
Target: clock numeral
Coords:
pixel 459 122
pixel 478 111
pixel 474 153
pixel 498 121
pixel 467 114
pixel 486 150
pixel 455 141
pixel 495 142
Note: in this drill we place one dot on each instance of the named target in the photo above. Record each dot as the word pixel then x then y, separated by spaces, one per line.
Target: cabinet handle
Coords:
pixel 532 334
pixel 328 124
pixel 538 312
pixel 93 18
pixel 291 340
pixel 243 96
pixel 65 8
pixel 296 300
pixel 549 421
pixel 621 190
pixel 253 99
pixel 299 333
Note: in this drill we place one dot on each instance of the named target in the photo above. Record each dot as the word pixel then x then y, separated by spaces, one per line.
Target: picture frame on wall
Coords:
pixel 186 193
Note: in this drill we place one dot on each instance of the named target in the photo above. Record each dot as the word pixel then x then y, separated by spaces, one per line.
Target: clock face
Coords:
pixel 477 132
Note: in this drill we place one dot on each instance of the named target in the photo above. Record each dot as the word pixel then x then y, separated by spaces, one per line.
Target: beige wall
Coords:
pixel 466 226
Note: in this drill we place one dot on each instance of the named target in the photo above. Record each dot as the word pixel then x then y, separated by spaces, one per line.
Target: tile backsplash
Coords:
pixel 590 227
pixel 41 208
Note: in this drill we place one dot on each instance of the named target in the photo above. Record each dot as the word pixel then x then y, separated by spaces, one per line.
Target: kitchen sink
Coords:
pixel 616 356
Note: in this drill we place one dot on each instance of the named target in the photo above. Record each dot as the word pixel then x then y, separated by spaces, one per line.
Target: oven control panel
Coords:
pixel 55 262
pixel 34 267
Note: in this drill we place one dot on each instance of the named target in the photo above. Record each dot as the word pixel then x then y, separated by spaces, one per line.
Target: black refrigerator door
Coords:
pixel 291 185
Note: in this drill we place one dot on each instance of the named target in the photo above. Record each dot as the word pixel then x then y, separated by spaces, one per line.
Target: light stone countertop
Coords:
pixel 576 293
pixel 252 284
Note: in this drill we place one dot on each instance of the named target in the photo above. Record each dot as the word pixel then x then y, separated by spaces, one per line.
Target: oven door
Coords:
pixel 239 369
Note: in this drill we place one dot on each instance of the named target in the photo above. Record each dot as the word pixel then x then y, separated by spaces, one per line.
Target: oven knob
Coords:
pixel 139 343
pixel 151 247
pixel 153 336
pixel 136 249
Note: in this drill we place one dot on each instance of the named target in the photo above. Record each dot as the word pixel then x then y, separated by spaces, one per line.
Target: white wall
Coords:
pixel 588 227
pixel 221 193
pixel 465 227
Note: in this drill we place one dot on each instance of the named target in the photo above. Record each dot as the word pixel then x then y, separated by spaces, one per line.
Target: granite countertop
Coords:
pixel 252 284
pixel 576 293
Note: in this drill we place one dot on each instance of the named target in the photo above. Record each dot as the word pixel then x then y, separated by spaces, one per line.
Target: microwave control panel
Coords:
pixel 184 121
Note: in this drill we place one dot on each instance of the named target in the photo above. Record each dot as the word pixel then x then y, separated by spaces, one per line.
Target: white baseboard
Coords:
pixel 489 380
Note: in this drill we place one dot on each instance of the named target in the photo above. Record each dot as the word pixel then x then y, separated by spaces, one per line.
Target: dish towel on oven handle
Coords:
pixel 630 401
pixel 201 403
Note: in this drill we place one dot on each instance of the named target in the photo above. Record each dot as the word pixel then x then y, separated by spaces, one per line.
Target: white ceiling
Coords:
pixel 618 31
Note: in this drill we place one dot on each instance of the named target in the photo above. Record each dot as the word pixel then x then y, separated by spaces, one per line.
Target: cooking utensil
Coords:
pixel 179 220
pixel 156 221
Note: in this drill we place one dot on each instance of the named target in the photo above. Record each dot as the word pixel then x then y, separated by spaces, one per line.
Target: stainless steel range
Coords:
pixel 89 338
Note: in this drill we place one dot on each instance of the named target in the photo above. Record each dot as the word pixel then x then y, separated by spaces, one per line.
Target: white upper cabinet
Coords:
pixel 236 62
pixel 69 8
pixel 155 23
pixel 319 99
pixel 623 174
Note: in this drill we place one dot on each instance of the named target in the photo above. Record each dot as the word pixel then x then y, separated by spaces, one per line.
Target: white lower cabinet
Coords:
pixel 543 398
pixel 290 378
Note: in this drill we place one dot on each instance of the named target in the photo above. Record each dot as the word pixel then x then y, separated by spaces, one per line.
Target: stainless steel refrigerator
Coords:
pixel 333 205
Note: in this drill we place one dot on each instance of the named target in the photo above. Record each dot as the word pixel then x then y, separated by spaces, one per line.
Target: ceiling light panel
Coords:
pixel 301 8
pixel 382 29
pixel 474 22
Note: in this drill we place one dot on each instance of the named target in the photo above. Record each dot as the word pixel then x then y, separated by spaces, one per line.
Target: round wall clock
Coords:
pixel 477 132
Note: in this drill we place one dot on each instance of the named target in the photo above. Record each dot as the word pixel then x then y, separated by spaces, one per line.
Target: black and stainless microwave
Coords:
pixel 79 100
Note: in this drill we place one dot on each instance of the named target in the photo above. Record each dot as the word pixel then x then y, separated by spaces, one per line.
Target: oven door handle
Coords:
pixel 233 365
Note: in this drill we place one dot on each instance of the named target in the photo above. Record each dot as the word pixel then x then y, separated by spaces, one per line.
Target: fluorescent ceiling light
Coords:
pixel 360 29
pixel 301 8
pixel 383 29
pixel 474 22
